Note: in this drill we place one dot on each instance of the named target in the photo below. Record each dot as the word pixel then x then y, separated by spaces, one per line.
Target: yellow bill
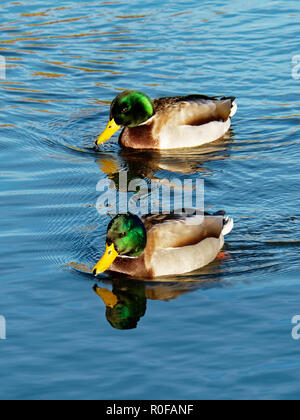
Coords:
pixel 109 298
pixel 110 130
pixel 106 261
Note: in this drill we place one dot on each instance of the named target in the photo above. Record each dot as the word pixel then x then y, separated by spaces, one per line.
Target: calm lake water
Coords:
pixel 224 332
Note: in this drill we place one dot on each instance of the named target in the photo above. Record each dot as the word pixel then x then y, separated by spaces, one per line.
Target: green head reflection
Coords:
pixel 125 305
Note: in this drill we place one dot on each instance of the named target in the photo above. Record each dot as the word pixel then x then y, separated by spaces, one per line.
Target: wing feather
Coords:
pixel 193 110
pixel 176 231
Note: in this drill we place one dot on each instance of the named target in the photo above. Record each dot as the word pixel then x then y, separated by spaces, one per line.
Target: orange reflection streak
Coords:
pixel 44 110
pixel 133 17
pixel 45 101
pixel 283 117
pixel 40 73
pixel 59 21
pixel 21 51
pixel 14 59
pixel 33 14
pixel 59 63
pixel 12 41
pixel 81 267
pixel 23 90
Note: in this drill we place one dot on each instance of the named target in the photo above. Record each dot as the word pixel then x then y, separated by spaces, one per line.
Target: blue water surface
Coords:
pixel 221 333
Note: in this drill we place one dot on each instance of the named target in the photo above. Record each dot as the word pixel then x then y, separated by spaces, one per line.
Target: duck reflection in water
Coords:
pixel 126 304
pixel 146 164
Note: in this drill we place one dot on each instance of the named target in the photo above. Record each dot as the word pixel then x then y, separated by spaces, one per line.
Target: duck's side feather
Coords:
pixel 178 261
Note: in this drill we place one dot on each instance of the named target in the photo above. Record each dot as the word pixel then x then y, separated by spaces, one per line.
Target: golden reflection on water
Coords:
pixel 51 75
pixel 283 117
pixel 33 14
pixel 59 21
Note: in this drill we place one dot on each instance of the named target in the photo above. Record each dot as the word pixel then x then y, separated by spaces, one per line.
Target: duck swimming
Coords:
pixel 168 123
pixel 163 245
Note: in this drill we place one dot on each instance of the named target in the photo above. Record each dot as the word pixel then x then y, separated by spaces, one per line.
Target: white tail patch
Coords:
pixel 233 110
pixel 228 226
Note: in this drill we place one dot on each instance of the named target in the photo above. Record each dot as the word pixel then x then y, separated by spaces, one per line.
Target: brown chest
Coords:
pixel 139 138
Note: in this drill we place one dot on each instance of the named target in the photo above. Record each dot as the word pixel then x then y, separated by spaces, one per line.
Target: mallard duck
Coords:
pixel 168 123
pixel 162 245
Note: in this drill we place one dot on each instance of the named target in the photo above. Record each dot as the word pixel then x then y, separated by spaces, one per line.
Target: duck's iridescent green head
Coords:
pixel 126 236
pixel 129 109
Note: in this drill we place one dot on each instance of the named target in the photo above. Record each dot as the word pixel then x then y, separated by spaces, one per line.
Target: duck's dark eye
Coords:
pixel 123 234
pixel 125 110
